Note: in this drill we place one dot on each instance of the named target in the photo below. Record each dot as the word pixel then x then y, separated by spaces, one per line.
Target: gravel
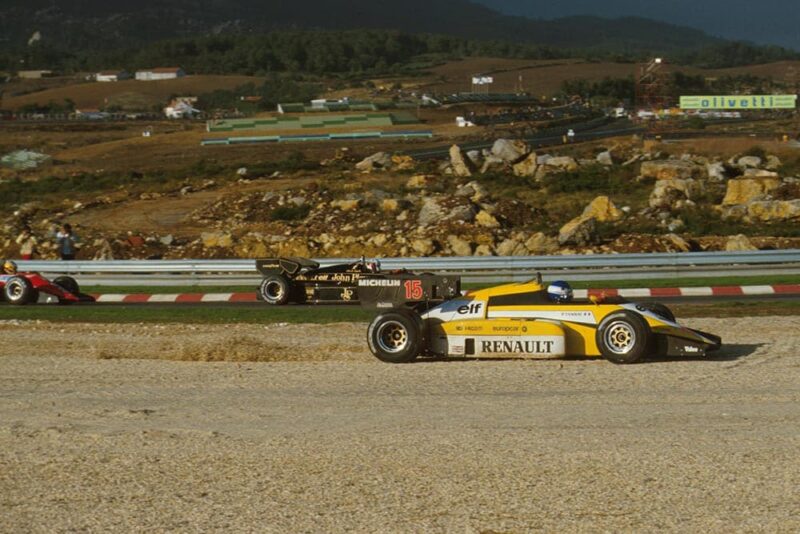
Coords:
pixel 299 429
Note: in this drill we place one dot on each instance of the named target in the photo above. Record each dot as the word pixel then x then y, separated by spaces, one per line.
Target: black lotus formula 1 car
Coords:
pixel 303 281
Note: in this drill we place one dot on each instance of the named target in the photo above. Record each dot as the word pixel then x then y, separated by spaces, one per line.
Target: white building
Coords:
pixel 111 76
pixel 161 73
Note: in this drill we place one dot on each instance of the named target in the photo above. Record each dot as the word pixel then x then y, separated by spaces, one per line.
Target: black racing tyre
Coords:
pixel 19 291
pixel 623 337
pixel 396 336
pixel 660 310
pixel 275 289
pixel 68 284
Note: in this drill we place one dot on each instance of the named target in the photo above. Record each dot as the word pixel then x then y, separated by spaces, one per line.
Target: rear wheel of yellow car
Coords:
pixel 395 337
pixel 623 337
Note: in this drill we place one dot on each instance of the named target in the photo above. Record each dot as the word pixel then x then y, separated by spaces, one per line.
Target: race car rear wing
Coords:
pixel 407 290
pixel 290 266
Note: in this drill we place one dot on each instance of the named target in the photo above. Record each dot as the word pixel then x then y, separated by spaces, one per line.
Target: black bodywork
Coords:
pixel 354 283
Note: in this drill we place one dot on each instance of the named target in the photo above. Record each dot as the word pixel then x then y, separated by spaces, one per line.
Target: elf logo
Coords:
pixel 474 308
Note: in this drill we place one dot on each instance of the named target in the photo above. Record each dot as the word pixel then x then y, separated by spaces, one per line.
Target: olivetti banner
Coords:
pixel 739 102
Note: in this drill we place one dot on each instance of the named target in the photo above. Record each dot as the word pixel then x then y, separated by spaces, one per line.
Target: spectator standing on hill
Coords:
pixel 66 240
pixel 27 243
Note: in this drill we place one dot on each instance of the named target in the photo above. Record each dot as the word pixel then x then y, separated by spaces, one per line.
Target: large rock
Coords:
pixel 605 158
pixel 746 190
pixel 431 212
pixel 667 193
pixel 493 164
pixel 346 204
pixel 603 209
pixel 378 161
pixel 419 181
pixel 509 150
pixel 216 239
pixel 458 163
pixel 564 163
pixel 774 210
pixel 423 246
pixel 487 220
pixel 459 246
pixel 511 247
pixel 579 231
pixel 473 191
pixel 739 243
pixel 760 173
pixel 773 163
pixel 752 162
pixel 716 172
pixel 527 166
pixel 680 244
pixel 463 212
pixel 402 163
pixel 672 169
pixel 539 243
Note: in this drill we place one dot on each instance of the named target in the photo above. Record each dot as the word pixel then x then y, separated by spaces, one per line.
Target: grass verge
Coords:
pixel 602 284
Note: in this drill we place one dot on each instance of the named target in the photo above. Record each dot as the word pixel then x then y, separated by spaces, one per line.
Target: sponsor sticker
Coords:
pixel 376 282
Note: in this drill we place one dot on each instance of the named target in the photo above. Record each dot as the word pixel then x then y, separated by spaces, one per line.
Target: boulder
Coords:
pixel 509 150
pixel 579 231
pixel 605 158
pixel 539 243
pixel 393 205
pixel 774 210
pixel 402 163
pixel 346 204
pixel 475 157
pixel 423 246
pixel 739 243
pixel 431 212
pixel 511 247
pixel 667 192
pixel 483 250
pixel 463 213
pixel 492 164
pixel 472 190
pixel 671 170
pixel 773 163
pixel 716 172
pixel 377 161
pixel 752 162
pixel 679 243
pixel 603 209
pixel 746 190
pixel 459 246
pixel 458 163
pixel 486 219
pixel 216 239
pixel 760 173
pixel 564 163
pixel 527 166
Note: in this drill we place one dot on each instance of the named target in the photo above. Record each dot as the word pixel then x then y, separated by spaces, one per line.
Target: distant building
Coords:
pixel 34 74
pixel 112 76
pixel 161 73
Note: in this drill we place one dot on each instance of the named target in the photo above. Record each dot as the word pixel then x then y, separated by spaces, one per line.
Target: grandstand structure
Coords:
pixel 312 122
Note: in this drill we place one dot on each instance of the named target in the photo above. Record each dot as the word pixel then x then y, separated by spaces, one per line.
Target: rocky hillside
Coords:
pixel 507 201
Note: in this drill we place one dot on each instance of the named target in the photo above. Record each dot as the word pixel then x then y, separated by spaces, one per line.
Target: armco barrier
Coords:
pixel 473 269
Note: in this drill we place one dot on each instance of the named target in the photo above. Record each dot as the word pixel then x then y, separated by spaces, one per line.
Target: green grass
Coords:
pixel 602 284
pixel 186 314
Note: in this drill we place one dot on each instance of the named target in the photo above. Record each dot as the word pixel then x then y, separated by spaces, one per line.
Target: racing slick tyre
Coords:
pixel 660 310
pixel 396 337
pixel 275 290
pixel 68 284
pixel 19 291
pixel 623 337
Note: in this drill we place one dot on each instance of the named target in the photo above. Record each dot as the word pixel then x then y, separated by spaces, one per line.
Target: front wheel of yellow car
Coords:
pixel 623 337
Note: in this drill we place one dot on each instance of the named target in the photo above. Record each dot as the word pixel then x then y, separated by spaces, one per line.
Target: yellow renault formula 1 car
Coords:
pixel 522 320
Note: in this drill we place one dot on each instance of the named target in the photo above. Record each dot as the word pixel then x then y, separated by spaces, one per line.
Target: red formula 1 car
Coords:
pixel 24 288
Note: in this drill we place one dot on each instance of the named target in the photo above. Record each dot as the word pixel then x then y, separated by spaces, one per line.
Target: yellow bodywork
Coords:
pixel 576 322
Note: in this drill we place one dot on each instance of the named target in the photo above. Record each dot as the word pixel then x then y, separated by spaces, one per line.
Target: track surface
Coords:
pixel 336 441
